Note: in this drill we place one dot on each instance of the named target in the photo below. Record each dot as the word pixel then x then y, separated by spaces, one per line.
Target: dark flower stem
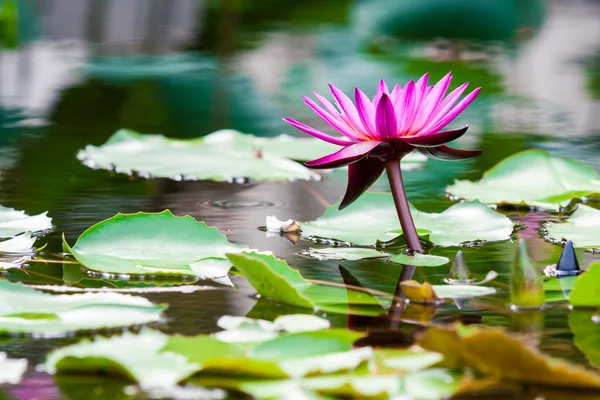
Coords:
pixel 406 220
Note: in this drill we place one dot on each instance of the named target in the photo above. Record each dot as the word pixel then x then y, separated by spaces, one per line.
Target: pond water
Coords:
pixel 214 65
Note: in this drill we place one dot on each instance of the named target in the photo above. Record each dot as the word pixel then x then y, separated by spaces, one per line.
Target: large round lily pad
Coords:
pixel 154 244
pixel 582 228
pixel 531 178
pixel 372 218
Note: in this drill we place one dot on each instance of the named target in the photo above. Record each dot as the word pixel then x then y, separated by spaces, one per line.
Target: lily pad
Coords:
pixel 13 222
pixel 427 293
pixel 372 218
pixel 586 290
pixel 274 279
pixel 28 311
pixel 11 370
pixel 361 253
pixel 154 244
pixel 221 156
pixel 582 228
pixel 249 330
pixel 493 352
pixel 531 178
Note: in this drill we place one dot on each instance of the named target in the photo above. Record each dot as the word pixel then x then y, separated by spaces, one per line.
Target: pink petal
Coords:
pixel 395 93
pixel 348 109
pixel 445 120
pixel 421 87
pixel 445 106
pixel 405 107
pixel 318 134
pixel 387 125
pixel 366 112
pixel 381 89
pixel 433 99
pixel 331 120
pixel 345 156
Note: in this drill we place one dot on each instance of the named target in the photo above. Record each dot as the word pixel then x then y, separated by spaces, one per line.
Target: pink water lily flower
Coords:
pixel 378 133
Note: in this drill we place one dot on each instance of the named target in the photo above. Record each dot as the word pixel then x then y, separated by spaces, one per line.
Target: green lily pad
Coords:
pixel 154 244
pixel 11 370
pixel 586 334
pixel 274 279
pixel 586 290
pixel 28 311
pixel 582 228
pixel 361 253
pixel 532 178
pixel 221 156
pixel 13 222
pixel 249 330
pixel 372 218
pixel 420 260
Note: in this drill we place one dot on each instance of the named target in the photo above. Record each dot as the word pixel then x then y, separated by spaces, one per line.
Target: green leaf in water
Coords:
pixel 586 334
pixel 274 279
pixel 154 244
pixel 586 290
pixel 582 228
pixel 361 253
pixel 372 218
pixel 420 260
pixel 532 178
pixel 28 311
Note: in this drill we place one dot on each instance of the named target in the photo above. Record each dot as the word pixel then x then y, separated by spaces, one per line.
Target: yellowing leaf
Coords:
pixel 494 353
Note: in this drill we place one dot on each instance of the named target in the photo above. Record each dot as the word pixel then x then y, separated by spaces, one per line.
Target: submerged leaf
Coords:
pixel 273 279
pixel 532 178
pixel 582 228
pixel 586 334
pixel 372 218
pixel 25 310
pixel 493 352
pixel 154 244
pixel 13 222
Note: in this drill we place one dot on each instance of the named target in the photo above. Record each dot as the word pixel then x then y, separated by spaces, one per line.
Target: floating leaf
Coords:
pixel 532 178
pixel 154 244
pixel 419 293
pixel 274 279
pixel 492 352
pixel 373 218
pixel 13 222
pixel 582 228
pixel 25 310
pixel 344 253
pixel 420 260
pixel 137 357
pixel 221 156
pixel 411 360
pixel 11 370
pixel 586 290
pixel 248 330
